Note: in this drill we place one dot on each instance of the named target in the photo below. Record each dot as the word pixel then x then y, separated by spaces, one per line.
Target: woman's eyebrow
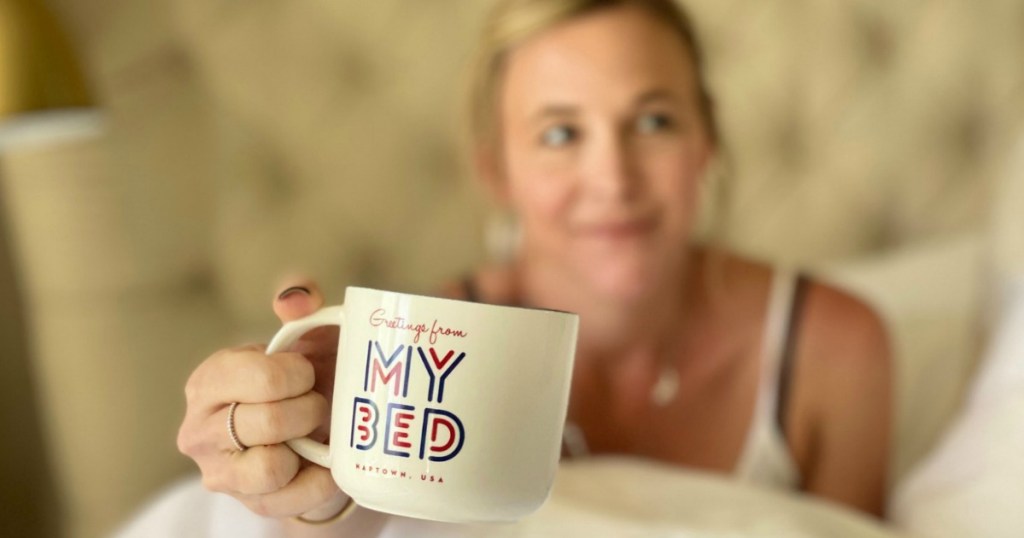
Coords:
pixel 556 111
pixel 657 94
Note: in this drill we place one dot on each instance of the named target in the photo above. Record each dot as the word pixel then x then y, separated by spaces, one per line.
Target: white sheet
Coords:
pixel 619 497
pixel 594 498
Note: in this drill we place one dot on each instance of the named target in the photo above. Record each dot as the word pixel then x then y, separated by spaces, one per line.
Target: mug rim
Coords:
pixel 500 306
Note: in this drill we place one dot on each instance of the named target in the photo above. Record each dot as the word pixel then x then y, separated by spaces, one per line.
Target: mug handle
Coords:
pixel 290 333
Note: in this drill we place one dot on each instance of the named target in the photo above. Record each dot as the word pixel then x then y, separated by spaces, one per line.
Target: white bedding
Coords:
pixel 595 498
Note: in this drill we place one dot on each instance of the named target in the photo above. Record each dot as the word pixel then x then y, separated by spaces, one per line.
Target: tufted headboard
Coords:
pixel 241 140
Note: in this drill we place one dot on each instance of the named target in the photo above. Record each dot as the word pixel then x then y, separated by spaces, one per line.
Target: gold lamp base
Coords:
pixel 38 68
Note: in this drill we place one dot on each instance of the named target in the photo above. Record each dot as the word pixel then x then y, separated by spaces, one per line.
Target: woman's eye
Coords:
pixel 558 135
pixel 652 123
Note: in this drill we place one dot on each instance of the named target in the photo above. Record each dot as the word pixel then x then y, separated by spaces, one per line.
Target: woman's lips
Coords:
pixel 617 230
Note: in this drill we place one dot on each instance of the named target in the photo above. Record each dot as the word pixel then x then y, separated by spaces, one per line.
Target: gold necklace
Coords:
pixel 666 387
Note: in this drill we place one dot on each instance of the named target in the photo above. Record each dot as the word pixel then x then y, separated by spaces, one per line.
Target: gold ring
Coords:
pixel 231 428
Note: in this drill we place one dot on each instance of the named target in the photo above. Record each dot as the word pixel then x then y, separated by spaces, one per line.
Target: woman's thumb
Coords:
pixel 297 297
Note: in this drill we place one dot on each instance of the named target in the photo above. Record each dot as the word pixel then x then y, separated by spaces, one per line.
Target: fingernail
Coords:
pixel 291 290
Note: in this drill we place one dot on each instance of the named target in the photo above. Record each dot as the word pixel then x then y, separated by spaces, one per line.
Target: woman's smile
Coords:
pixel 616 229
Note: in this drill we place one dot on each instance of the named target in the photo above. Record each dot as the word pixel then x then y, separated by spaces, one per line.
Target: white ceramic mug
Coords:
pixel 444 410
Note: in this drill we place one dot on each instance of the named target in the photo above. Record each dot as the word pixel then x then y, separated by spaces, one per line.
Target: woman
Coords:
pixel 592 123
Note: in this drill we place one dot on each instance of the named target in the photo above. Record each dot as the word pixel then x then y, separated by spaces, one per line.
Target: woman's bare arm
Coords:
pixel 844 388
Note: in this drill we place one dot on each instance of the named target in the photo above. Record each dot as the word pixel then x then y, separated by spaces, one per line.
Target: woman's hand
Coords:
pixel 281 397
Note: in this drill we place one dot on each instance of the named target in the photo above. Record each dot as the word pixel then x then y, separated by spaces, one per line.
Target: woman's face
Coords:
pixel 602 148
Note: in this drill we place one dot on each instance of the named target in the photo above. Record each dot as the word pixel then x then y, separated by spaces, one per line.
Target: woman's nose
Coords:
pixel 611 170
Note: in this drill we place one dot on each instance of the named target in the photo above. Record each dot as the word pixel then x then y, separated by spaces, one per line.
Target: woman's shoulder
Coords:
pixel 829 317
pixel 840 338
pixel 841 330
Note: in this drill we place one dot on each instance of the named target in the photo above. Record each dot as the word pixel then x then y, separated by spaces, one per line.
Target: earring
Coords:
pixel 712 200
pixel 502 236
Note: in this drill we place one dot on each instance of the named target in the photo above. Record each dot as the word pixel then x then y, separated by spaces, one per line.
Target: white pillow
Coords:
pixel 973 484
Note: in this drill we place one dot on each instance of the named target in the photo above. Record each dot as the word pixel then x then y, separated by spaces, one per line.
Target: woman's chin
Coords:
pixel 623 282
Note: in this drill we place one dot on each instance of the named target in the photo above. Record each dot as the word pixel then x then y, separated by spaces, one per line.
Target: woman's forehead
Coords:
pixel 621 53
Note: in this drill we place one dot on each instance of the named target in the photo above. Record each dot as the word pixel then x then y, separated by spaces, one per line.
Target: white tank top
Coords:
pixel 765 459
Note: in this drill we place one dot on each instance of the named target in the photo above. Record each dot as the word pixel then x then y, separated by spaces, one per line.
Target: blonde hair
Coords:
pixel 512 22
